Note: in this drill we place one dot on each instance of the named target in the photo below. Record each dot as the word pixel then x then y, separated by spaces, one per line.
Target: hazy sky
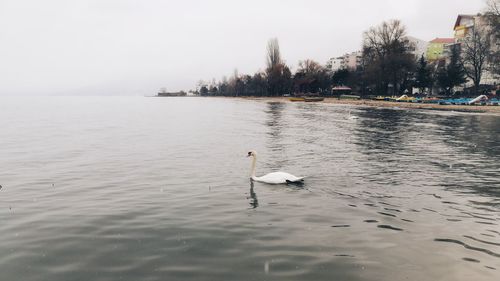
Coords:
pixel 132 47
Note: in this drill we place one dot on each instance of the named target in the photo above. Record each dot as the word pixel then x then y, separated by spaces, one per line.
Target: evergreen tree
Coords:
pixel 340 77
pixel 204 90
pixel 423 75
pixel 452 74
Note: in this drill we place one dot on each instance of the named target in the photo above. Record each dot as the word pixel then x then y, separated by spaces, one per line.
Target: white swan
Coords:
pixel 272 178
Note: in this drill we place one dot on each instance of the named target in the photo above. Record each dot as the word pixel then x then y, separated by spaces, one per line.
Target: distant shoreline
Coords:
pixel 389 104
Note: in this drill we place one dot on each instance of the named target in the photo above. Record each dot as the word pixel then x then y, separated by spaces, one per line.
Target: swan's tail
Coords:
pixel 296 181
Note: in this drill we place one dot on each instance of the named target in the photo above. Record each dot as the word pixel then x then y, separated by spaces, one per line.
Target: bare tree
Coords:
pixel 380 39
pixel 387 57
pixel 309 66
pixel 475 50
pixel 492 15
pixel 273 53
pixel 493 7
pixel 311 77
pixel 279 76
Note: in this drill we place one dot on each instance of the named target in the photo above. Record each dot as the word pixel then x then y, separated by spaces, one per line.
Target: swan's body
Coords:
pixel 278 178
pixel 272 178
pixel 352 117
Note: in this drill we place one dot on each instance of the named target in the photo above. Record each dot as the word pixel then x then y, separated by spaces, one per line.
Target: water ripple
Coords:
pixel 147 189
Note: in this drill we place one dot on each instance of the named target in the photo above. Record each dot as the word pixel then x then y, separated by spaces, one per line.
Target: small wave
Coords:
pixel 387 214
pixel 482 241
pixel 490 267
pixel 485 222
pixel 387 204
pixel 493 231
pixel 394 210
pixel 477 216
pixel 345 255
pixel 486 251
pixel 386 226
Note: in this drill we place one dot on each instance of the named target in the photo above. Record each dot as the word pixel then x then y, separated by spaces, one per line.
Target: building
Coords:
pixel 335 64
pixel 163 93
pixel 464 25
pixel 349 61
pixel 418 46
pixel 437 49
pixel 353 60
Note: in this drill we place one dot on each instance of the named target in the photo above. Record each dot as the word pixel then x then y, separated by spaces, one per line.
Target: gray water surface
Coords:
pixel 132 188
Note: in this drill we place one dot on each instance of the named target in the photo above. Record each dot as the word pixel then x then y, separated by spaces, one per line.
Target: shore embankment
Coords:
pixel 390 104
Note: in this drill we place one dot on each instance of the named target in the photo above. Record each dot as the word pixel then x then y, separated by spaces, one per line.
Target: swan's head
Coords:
pixel 251 154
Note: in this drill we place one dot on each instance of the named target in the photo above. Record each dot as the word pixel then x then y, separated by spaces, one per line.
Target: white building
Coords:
pixel 353 60
pixel 335 63
pixel 419 46
pixel 349 61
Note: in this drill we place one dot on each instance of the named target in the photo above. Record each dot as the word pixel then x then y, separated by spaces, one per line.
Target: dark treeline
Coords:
pixel 388 66
pixel 277 79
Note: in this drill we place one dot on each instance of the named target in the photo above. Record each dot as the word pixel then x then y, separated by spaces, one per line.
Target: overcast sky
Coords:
pixel 134 47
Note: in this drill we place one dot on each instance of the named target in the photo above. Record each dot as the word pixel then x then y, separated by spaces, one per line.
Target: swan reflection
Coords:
pixel 254 202
pixel 275 124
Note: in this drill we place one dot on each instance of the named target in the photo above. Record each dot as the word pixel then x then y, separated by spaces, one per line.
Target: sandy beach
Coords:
pixel 426 106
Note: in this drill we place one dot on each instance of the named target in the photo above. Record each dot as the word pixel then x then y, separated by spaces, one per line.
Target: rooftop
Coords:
pixel 444 40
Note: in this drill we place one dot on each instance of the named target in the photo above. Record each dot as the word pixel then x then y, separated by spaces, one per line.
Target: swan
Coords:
pixel 272 178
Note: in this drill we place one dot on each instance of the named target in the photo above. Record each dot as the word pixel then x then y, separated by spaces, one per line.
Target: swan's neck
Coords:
pixel 252 171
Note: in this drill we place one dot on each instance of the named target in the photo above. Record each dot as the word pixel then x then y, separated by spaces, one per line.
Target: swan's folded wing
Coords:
pixel 279 177
pixel 272 178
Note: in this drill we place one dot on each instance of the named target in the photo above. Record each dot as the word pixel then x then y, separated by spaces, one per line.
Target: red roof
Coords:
pixel 444 40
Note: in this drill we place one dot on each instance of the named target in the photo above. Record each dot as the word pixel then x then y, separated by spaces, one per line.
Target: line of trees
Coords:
pixel 276 80
pixel 388 66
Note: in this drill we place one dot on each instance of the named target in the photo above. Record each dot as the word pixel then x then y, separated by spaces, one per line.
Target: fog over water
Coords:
pixel 132 47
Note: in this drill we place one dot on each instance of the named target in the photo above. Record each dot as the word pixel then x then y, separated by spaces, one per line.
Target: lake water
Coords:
pixel 133 188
